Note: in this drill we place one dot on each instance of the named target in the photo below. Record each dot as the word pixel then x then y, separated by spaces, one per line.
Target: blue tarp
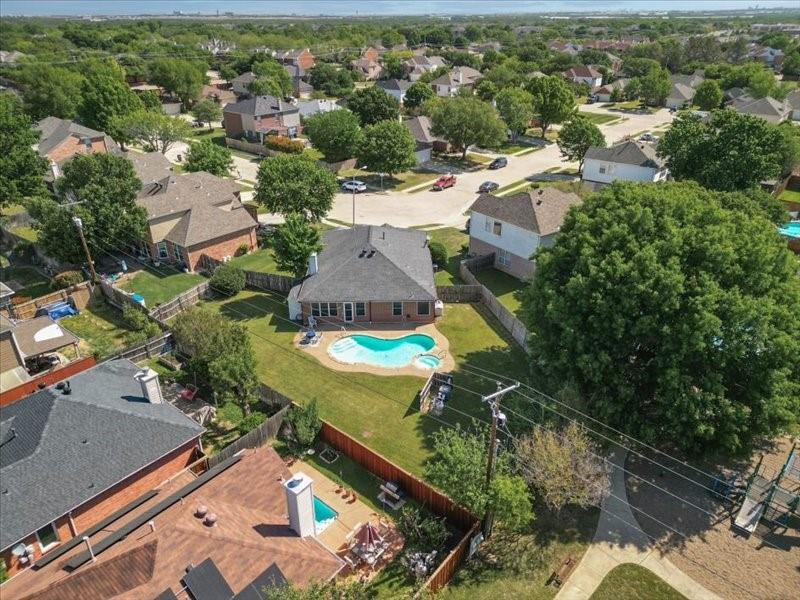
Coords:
pixel 58 310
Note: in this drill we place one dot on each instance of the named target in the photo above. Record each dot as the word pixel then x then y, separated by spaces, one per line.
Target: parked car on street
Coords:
pixel 488 186
pixel 445 181
pixel 354 185
pixel 498 163
pixel 648 137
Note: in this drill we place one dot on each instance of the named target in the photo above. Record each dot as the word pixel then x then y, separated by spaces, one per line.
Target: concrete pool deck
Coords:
pixel 330 334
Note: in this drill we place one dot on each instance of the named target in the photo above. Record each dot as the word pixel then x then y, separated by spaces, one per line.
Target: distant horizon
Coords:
pixel 374 8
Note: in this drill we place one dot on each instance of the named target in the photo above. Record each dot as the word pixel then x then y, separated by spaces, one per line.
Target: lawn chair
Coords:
pixel 190 393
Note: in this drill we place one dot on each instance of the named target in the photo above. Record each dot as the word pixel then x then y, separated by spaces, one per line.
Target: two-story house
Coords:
pixel 241 85
pixel 461 77
pixel 370 70
pixel 514 227
pixel 419 64
pixel 302 58
pixel 584 74
pixel 395 87
pixel 260 116
pixel 61 139
pixel 626 161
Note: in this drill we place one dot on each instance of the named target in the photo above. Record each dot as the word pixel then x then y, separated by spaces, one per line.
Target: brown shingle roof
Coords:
pixel 38 336
pixel 541 211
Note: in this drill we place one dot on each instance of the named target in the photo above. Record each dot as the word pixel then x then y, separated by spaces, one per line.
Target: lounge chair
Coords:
pixel 190 393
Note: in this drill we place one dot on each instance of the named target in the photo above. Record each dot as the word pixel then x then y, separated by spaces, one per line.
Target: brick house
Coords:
pixel 61 139
pixel 370 70
pixel 583 74
pixel 301 58
pixel 257 117
pixel 460 77
pixel 190 215
pixel 375 274
pixel 75 455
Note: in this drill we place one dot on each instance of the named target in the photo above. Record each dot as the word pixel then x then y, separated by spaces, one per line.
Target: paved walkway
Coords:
pixel 619 540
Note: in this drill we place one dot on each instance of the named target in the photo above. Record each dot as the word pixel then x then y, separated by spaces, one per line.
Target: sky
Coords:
pixel 371 7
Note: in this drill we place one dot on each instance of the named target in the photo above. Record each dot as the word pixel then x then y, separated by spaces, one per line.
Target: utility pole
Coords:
pixel 79 224
pixel 498 418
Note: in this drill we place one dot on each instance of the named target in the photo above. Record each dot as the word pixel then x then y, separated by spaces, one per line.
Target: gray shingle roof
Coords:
pixel 682 91
pixel 627 153
pixel 64 450
pixel 458 76
pixel 150 166
pixel 400 85
pixel 761 107
pixel 54 131
pixel 399 267
pixel 260 106
pixel 420 128
pixel 541 211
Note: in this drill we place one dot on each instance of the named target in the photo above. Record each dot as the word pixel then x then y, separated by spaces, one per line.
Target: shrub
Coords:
pixel 305 424
pixel 66 279
pixel 438 253
pixel 282 143
pixel 230 412
pixel 251 421
pixel 134 319
pixel 228 279
pixel 242 250
pixel 422 531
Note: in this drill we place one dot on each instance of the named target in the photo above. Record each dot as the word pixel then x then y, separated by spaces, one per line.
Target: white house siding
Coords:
pixel 518 242
pixel 423 155
pixel 674 102
pixel 398 95
pixel 445 91
pixel 619 172
pixel 592 82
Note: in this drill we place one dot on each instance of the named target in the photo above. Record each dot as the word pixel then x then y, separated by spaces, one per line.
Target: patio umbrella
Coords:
pixel 368 536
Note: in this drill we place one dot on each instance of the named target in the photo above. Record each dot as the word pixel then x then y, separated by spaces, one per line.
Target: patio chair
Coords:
pixel 190 393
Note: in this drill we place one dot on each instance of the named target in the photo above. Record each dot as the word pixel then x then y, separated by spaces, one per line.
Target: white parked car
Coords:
pixel 354 186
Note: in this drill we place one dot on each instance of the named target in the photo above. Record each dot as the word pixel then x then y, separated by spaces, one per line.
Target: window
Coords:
pixel 361 309
pixel 315 309
pixel 333 309
pixel 323 309
pixel 487 225
pixel 162 250
pixel 602 169
pixel 498 228
pixel 397 309
pixel 423 308
pixel 176 250
pixel 48 537
pixel 504 258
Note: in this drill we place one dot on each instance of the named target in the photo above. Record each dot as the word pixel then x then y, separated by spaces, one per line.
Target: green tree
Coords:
pixel 577 136
pixel 295 184
pixel 21 168
pixel 206 111
pixel 393 65
pixel 51 91
pixel 791 64
pixel 272 71
pixel 733 151
pixel 655 86
pixel 387 147
pixel 156 131
pixel 334 589
pixel 336 134
pixel 761 84
pixel 183 78
pixel 464 121
pixel 515 106
pixel 638 67
pixel 228 279
pixel 708 95
pixel 210 157
pixel 553 100
pixel 417 94
pixel 104 187
pixel 331 80
pixel 675 313
pixel 106 96
pixel 305 424
pixel 486 90
pixel 294 242
pixel 373 104
pixel 151 100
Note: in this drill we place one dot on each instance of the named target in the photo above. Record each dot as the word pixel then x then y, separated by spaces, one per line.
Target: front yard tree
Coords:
pixel 464 121
pixel 21 168
pixel 295 184
pixel 418 94
pixel 708 95
pixel 655 86
pixel 515 106
pixel 183 78
pixel 271 70
pixel 577 136
pixel 387 147
pixel 553 100
pixel 675 311
pixel 733 151
pixel 105 187
pixel 156 131
pixel 43 97
pixel 327 78
pixel 104 97
pixel 336 134
pixel 207 111
pixel 210 157
pixel 373 104
pixel 294 242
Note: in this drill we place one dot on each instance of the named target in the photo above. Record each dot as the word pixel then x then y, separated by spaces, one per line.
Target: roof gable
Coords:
pixel 541 211
pixel 628 152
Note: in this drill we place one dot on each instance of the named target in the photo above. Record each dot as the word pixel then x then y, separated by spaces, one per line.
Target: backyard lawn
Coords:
pixel 34 283
pixel 455 240
pixel 262 261
pixel 157 288
pixel 789 196
pixel 631 582
pixel 506 288
pixel 100 327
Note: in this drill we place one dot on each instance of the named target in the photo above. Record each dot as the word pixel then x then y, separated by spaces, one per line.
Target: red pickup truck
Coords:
pixel 445 181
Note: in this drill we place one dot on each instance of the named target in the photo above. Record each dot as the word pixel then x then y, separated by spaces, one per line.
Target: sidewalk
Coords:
pixel 619 540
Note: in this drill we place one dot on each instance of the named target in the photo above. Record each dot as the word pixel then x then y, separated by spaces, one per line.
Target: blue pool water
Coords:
pixel 791 229
pixel 381 352
pixel 324 515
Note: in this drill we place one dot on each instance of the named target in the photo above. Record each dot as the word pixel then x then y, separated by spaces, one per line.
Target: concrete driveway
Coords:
pixel 406 209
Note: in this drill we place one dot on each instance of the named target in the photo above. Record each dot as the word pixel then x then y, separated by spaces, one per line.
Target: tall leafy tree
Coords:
pixel 675 310
pixel 336 134
pixel 273 72
pixel 464 121
pixel 294 242
pixel 708 95
pixel 655 86
pixel 295 184
pixel 373 104
pixel 51 91
pixel 577 136
pixel 207 111
pixel 184 78
pixel 105 96
pixel 21 168
pixel 387 147
pixel 515 106
pixel 732 151
pixel 334 82
pixel 210 157
pixel 156 131
pixel 553 100
pixel 417 94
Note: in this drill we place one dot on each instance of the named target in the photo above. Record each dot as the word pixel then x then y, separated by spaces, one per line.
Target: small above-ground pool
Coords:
pixel 791 230
pixel 427 361
pixel 324 515
pixel 381 352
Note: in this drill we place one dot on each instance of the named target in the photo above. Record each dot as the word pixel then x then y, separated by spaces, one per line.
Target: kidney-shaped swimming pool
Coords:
pixel 382 352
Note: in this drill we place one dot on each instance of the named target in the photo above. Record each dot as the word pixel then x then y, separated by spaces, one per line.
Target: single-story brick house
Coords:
pixel 375 274
pixel 190 215
pixel 61 139
pixel 74 455
pixel 259 116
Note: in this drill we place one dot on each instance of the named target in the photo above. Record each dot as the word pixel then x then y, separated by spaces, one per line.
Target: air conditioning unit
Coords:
pixel 226 259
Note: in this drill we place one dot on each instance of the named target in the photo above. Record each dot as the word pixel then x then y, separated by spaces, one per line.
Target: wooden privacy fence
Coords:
pixel 256 279
pixel 155 346
pixel 459 294
pixel 80 294
pixel 181 302
pixel 119 298
pixel 252 439
pixel 373 462
pixel 448 567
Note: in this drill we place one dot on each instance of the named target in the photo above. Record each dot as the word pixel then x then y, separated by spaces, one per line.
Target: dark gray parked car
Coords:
pixel 488 186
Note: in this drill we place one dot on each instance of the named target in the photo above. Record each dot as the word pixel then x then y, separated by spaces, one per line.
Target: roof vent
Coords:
pixel 371 254
pixel 67 389
pixel 210 520
pixel 201 511
pixel 362 253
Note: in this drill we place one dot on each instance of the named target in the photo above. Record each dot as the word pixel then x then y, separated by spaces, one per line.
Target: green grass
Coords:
pixel 511 186
pixel 100 326
pixel 455 240
pixel 206 134
pixel 507 289
pixel 13 209
pixel 262 261
pixel 512 148
pixel 380 411
pixel 599 118
pixel 632 582
pixel 33 283
pixel 157 288
pixel 314 153
pixel 26 232
pixel 789 196
pixel 398 182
